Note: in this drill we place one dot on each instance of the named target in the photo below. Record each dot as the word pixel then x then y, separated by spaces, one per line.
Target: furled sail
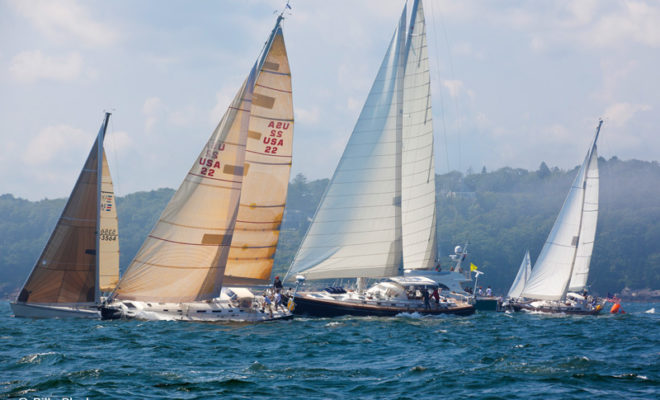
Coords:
pixel 108 233
pixel 185 256
pixel 554 267
pixel 417 169
pixel 66 271
pixel 523 274
pixel 267 171
pixel 356 231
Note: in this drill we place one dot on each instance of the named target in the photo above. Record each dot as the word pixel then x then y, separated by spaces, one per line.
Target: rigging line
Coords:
pixel 442 105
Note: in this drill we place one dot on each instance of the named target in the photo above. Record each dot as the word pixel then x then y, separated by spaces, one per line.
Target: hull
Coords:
pixel 23 310
pixel 555 309
pixel 486 304
pixel 213 311
pixel 307 305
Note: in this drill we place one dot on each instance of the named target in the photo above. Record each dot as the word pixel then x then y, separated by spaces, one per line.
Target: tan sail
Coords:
pixel 108 233
pixel 66 270
pixel 184 256
pixel 267 171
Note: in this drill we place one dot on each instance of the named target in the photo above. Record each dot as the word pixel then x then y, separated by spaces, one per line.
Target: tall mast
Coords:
pixel 584 184
pixel 99 178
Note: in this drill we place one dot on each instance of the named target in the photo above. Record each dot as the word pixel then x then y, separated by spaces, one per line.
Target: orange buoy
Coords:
pixel 615 308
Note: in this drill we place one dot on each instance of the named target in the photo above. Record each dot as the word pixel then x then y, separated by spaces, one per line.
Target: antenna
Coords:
pixel 286 7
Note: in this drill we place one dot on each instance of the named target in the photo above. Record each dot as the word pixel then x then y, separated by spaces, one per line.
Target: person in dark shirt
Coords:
pixel 277 284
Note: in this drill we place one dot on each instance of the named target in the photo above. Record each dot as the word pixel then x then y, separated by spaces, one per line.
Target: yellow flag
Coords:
pixel 473 267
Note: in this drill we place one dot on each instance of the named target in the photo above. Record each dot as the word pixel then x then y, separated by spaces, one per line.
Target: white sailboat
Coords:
pixel 222 225
pixel 558 280
pixel 377 216
pixel 81 258
pixel 524 272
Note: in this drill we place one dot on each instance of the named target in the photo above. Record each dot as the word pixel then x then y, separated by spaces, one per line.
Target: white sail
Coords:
pixel 588 232
pixel 67 270
pixel 417 169
pixel 554 266
pixel 108 233
pixel 523 274
pixel 356 231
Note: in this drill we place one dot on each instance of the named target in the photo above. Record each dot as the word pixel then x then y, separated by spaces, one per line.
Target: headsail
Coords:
pixel 523 274
pixel 554 267
pixel 66 272
pixel 185 255
pixel 356 231
pixel 418 214
pixel 267 171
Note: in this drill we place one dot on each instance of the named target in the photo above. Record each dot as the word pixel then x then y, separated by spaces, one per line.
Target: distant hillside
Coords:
pixel 500 213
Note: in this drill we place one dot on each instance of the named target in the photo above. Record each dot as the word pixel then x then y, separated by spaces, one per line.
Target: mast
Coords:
pixel 584 190
pixel 99 178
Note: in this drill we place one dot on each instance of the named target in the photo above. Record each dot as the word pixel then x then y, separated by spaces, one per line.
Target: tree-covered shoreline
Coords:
pixel 500 213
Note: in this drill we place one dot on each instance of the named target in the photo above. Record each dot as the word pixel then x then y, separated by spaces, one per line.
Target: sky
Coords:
pixel 514 83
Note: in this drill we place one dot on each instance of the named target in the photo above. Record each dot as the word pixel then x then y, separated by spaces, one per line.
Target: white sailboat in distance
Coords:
pixel 81 259
pixel 558 280
pixel 222 224
pixel 377 217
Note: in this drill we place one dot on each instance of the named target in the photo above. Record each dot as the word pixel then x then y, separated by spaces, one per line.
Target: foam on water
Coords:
pixel 486 355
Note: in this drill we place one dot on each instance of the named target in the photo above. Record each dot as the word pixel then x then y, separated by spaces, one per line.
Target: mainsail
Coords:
pixel 523 274
pixel 267 170
pixel 377 215
pixel 69 268
pixel 565 249
pixel 218 215
pixel 417 169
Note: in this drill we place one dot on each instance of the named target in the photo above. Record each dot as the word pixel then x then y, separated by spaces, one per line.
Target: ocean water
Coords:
pixel 485 356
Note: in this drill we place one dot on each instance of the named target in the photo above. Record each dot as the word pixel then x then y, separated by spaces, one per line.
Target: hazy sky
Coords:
pixel 514 82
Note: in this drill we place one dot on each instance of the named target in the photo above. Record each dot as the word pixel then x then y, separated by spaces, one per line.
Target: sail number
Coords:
pixel 209 166
pixel 108 234
pixel 274 140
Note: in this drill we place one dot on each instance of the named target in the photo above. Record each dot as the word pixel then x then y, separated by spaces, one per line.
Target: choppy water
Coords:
pixel 485 356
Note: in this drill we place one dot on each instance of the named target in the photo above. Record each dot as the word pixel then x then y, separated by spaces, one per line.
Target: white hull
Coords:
pixel 23 310
pixel 451 282
pixel 217 310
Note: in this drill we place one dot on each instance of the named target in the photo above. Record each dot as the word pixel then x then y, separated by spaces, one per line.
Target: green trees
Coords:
pixel 501 213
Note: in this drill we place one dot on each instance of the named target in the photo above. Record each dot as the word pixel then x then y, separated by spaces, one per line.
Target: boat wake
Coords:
pixel 650 311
